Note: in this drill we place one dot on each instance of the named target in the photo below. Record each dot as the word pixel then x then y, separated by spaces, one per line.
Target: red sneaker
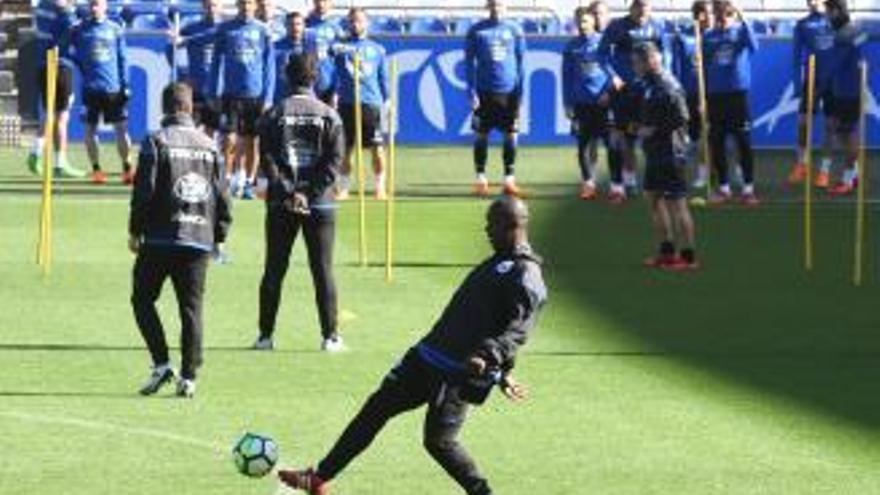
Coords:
pixel 842 189
pixel 798 174
pixel 680 265
pixel 305 480
pixel 750 200
pixel 616 197
pixel 588 192
pixel 98 177
pixel 660 261
pixel 481 189
pixel 128 177
pixel 511 189
pixel 719 198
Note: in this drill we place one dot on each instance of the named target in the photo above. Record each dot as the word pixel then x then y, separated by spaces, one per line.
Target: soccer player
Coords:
pixel 727 51
pixel 244 54
pixel 326 34
pixel 471 347
pixel 586 83
pixel 53 19
pixel 374 92
pixel 277 24
pixel 179 214
pixel 663 119
pixel 297 42
pixel 618 41
pixel 99 50
pixel 494 51
pixel 813 35
pixel 846 88
pixel 199 39
pixel 684 51
pixel 601 13
pixel 303 145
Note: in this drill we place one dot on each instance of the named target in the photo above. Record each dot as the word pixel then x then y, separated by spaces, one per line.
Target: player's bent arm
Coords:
pixel 223 213
pixel 144 187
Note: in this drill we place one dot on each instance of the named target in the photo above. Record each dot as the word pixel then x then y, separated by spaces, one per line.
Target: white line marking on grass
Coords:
pixel 107 427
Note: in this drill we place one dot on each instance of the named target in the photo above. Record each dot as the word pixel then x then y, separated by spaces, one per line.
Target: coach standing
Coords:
pixel 179 214
pixel 303 147
pixel 493 55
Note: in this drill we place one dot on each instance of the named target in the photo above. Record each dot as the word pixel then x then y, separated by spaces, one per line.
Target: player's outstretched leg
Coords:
pixel 442 425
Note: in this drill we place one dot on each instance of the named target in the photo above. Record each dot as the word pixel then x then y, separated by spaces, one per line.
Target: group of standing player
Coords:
pixel 602 91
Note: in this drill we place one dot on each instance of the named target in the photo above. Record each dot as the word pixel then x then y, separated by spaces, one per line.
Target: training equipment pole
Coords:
pixel 44 246
pixel 392 158
pixel 862 169
pixel 808 162
pixel 359 158
pixel 701 94
pixel 174 42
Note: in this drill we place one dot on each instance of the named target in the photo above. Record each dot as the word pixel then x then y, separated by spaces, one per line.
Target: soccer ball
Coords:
pixel 255 455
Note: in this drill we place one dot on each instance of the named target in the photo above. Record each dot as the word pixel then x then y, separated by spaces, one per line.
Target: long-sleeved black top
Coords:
pixel 179 198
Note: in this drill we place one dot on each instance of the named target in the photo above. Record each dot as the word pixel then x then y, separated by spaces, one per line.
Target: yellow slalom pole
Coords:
pixel 808 162
pixel 701 94
pixel 44 245
pixel 863 179
pixel 359 158
pixel 392 158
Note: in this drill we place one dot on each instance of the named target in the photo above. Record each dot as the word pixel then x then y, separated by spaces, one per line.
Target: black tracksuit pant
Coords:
pixel 412 384
pixel 187 269
pixel 319 230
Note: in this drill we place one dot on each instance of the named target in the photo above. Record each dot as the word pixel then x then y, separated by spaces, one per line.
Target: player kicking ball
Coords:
pixel 470 349
pixel 663 130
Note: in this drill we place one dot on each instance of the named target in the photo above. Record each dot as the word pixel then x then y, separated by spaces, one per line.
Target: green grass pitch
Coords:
pixel 749 377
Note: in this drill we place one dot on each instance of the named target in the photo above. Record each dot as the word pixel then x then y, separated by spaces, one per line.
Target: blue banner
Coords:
pixel 435 109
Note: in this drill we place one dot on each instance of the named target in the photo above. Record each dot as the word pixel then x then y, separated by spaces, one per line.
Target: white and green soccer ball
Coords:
pixel 255 455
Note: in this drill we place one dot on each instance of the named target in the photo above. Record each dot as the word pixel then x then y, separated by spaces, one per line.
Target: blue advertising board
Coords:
pixel 435 108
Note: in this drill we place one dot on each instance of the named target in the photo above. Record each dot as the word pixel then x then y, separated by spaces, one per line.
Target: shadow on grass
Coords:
pixel 134 348
pixel 751 315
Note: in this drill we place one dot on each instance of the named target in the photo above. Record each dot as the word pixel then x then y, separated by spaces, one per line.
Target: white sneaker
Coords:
pixel 263 344
pixel 158 377
pixel 333 344
pixel 186 388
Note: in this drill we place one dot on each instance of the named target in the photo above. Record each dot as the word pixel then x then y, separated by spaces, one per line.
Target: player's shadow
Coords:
pixel 80 395
pixel 751 315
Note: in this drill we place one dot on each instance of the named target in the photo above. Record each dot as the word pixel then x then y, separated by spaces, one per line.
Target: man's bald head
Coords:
pixel 507 222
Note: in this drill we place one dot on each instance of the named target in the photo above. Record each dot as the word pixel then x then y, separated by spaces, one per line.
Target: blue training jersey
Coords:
pixel 847 54
pixel 494 52
pixel 585 73
pixel 284 48
pixel 199 39
pixel 325 33
pixel 98 49
pixel 243 50
pixel 813 35
pixel 52 20
pixel 622 35
pixel 728 58
pixel 374 83
pixel 684 63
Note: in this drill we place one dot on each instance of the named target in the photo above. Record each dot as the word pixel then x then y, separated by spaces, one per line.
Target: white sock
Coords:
pixel 629 178
pixel 481 178
pixel 617 188
pixel 801 156
pixel 380 182
pixel 58 160
pixel 702 172
pixel 826 165
pixel 724 189
pixel 161 368
pixel 590 183
pixel 344 182
pixel 748 189
pixel 37 146
pixel 509 179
